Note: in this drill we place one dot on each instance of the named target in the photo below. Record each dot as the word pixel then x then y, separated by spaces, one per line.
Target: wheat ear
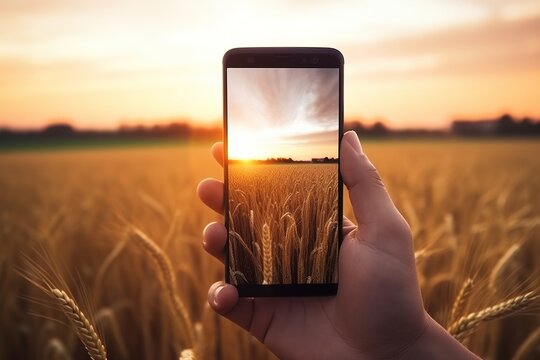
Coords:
pixel 84 329
pixel 267 254
pixel 467 324
pixel 168 278
pixel 462 299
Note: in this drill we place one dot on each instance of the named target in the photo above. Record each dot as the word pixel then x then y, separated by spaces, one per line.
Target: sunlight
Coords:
pixel 244 145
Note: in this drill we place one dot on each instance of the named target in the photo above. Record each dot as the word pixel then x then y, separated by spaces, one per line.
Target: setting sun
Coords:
pixel 244 146
pixel 294 115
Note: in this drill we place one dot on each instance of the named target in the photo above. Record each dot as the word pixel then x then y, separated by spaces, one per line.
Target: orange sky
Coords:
pixel 416 63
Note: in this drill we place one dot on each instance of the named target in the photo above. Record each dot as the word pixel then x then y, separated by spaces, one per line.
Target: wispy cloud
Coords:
pixel 494 45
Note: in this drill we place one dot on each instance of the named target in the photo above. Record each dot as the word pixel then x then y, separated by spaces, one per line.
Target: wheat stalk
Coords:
pixel 267 254
pixel 84 329
pixel 467 324
pixel 168 279
pixel 503 265
pixel 462 299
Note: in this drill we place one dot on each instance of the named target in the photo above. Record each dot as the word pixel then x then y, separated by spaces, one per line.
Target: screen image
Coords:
pixel 283 136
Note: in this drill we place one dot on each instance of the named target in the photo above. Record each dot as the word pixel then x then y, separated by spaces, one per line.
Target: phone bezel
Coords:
pixel 282 57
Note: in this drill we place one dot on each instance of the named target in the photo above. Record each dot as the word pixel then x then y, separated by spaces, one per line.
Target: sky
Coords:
pixel 419 63
pixel 282 113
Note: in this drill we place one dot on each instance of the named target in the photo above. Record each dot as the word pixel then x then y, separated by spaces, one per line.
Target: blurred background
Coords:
pixel 108 109
pixel 103 64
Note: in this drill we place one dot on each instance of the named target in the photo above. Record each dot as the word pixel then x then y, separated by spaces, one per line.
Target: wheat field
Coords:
pixel 113 236
pixel 283 223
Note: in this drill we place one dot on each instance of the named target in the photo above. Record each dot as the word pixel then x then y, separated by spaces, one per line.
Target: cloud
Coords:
pixel 324 137
pixel 492 46
pixel 279 97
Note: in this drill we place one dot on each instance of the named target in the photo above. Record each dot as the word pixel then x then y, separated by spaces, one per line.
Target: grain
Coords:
pixel 467 324
pixel 168 280
pixel 267 255
pixel 82 326
pixel 462 299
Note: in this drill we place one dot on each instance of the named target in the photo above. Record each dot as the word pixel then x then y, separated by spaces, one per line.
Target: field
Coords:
pixel 283 223
pixel 119 231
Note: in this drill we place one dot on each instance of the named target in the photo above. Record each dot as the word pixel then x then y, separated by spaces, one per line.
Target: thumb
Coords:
pixel 378 219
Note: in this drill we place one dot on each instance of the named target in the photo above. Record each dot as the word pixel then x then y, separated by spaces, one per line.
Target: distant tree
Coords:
pixel 379 129
pixel 355 126
pixel 506 125
pixel 58 129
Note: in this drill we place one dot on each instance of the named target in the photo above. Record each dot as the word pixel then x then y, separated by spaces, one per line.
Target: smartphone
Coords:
pixel 283 123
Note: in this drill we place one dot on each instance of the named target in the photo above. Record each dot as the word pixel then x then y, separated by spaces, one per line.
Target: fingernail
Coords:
pixel 352 138
pixel 216 295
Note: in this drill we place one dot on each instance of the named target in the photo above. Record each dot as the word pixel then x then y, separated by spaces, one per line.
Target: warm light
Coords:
pixel 244 146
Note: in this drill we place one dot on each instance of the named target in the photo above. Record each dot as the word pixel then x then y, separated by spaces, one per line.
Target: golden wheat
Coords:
pixel 467 324
pixel 461 299
pixel 298 203
pixel 82 326
pixel 169 281
pixel 267 255
pixel 506 264
pixel 469 201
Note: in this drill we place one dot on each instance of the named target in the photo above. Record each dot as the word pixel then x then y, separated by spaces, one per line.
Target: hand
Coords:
pixel 378 310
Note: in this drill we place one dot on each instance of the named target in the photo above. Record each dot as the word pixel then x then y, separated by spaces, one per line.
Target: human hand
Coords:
pixel 378 310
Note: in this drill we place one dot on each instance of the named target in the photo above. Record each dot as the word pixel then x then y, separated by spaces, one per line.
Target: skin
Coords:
pixel 378 311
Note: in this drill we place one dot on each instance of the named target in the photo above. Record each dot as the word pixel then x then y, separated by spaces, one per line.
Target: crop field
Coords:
pixel 283 223
pixel 107 242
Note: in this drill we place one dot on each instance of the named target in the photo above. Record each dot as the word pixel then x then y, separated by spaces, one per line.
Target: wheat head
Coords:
pixel 84 329
pixel 267 254
pixel 467 324
pixel 462 299
pixel 168 278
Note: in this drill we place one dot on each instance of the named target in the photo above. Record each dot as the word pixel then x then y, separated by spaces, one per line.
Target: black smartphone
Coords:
pixel 283 123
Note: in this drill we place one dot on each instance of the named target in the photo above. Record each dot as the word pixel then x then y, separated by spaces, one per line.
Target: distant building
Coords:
pixel 323 160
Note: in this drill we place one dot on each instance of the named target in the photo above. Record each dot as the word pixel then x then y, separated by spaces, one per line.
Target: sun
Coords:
pixel 244 146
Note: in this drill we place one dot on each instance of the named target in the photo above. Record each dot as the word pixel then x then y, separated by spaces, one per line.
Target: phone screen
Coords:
pixel 283 184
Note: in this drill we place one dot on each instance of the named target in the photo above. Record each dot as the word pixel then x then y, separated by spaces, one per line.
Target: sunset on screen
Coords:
pixel 282 113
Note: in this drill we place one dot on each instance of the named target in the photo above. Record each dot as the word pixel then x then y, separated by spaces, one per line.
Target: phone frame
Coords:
pixel 282 57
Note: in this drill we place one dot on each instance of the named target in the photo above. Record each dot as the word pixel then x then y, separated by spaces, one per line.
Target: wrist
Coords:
pixel 436 343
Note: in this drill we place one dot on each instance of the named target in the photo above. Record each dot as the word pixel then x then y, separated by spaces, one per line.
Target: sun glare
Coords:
pixel 243 146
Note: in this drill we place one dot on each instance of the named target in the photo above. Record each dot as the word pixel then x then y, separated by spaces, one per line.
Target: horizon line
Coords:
pixel 198 124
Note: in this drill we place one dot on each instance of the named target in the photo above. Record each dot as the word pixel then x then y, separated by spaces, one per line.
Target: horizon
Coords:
pixel 432 63
pixel 219 124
